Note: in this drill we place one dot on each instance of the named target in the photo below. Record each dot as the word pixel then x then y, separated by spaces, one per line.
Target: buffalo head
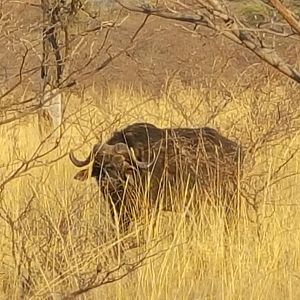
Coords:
pixel 196 157
pixel 111 164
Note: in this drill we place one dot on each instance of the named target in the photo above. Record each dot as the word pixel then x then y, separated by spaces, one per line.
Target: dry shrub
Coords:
pixel 58 237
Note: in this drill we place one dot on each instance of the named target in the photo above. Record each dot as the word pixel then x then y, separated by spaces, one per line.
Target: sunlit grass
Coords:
pixel 67 232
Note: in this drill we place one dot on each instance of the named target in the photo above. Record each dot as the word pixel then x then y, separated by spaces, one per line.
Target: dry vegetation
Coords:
pixel 57 240
pixel 57 237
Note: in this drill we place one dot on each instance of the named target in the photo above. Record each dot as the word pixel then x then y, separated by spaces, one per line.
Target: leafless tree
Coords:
pixel 219 17
pixel 52 54
pixel 57 49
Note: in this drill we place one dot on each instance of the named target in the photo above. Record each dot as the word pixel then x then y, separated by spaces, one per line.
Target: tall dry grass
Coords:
pixel 57 236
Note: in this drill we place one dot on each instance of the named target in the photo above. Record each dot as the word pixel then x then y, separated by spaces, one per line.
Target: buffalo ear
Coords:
pixel 82 175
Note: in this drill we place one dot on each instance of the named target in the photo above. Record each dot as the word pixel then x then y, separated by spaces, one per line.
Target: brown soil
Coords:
pixel 163 50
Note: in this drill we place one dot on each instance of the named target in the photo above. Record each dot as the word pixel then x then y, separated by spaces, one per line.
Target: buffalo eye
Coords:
pixel 118 159
pixel 111 171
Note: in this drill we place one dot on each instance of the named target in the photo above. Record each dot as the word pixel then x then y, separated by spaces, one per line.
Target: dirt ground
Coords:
pixel 164 50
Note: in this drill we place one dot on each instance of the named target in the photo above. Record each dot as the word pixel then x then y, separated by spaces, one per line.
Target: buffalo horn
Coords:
pixel 106 148
pixel 140 164
pixel 122 148
pixel 83 163
pixel 79 163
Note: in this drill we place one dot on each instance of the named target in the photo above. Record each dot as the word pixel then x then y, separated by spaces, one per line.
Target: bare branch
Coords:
pixel 287 15
pixel 228 27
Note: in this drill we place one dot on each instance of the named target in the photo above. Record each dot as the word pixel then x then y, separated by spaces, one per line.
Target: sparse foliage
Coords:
pixel 217 15
pixel 57 239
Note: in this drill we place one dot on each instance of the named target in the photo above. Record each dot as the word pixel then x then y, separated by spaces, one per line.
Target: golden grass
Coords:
pixel 56 245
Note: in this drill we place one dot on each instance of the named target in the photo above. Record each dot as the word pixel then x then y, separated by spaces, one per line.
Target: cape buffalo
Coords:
pixel 143 161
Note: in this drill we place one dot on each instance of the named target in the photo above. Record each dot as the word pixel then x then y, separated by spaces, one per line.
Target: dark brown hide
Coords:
pixel 168 159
